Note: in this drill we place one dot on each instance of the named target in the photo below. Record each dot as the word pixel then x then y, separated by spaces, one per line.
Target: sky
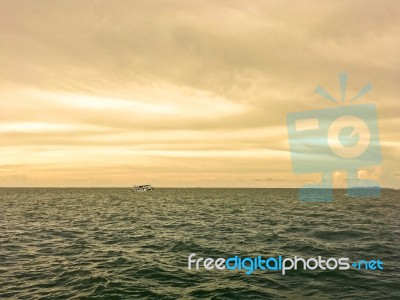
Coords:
pixel 185 93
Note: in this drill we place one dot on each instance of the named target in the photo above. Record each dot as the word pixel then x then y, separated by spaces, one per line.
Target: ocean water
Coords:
pixel 116 244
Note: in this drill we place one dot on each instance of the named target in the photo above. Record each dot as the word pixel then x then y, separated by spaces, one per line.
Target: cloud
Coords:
pixel 95 83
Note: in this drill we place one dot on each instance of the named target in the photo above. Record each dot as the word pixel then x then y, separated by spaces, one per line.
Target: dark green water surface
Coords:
pixel 117 244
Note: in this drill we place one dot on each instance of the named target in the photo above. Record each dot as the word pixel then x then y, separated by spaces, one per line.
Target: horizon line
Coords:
pixel 171 187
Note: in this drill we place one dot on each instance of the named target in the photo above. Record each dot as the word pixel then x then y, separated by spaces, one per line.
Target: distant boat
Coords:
pixel 142 188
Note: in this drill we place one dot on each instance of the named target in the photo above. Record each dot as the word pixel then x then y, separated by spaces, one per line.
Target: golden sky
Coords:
pixel 184 93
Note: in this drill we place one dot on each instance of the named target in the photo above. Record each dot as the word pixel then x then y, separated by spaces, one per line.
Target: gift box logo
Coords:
pixel 340 138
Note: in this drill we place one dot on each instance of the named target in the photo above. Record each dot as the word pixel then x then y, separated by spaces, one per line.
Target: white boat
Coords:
pixel 142 188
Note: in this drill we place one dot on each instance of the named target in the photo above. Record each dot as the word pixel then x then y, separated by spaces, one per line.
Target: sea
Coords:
pixel 112 243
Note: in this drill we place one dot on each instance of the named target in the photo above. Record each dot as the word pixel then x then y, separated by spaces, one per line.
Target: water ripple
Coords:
pixel 115 244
